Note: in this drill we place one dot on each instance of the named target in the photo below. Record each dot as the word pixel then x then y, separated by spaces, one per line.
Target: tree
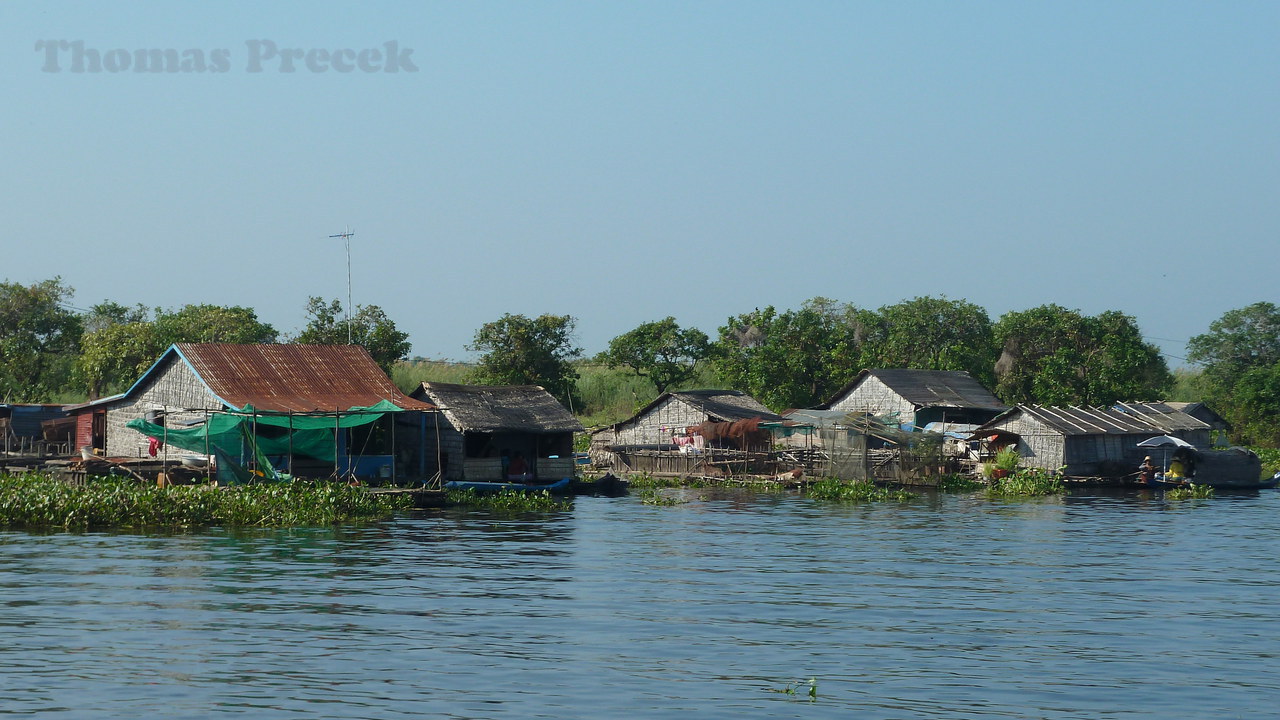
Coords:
pixel 661 351
pixel 523 351
pixel 1055 356
pixel 125 343
pixel 39 338
pixel 1241 359
pixel 793 359
pixel 930 333
pixel 370 328
pixel 212 324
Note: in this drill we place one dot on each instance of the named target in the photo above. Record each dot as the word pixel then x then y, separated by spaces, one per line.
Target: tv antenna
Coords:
pixel 346 239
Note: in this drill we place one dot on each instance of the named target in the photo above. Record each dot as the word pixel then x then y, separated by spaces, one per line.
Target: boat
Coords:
pixel 1234 468
pixel 563 485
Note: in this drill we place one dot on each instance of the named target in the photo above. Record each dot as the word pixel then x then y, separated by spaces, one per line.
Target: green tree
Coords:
pixel 1241 359
pixel 213 324
pixel 934 333
pixel 125 343
pixel 661 351
pixel 39 339
pixel 522 351
pixel 792 359
pixel 370 328
pixel 1055 356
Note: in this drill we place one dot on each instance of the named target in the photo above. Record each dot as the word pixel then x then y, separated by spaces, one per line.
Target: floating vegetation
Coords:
pixel 792 688
pixel 855 491
pixel 40 501
pixel 1027 482
pixel 958 483
pixel 509 501
pixel 1189 492
pixel 653 497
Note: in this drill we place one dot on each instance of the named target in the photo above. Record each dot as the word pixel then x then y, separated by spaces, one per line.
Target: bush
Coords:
pixel 508 501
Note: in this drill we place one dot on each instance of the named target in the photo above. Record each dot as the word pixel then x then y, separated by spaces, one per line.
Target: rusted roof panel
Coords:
pixel 294 378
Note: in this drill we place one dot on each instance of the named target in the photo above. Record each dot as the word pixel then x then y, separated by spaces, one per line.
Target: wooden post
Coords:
pixel 337 418
pixel 290 416
pixel 394 460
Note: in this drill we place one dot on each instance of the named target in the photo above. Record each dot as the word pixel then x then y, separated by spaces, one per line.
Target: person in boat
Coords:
pixel 518 469
pixel 1177 469
pixel 1146 471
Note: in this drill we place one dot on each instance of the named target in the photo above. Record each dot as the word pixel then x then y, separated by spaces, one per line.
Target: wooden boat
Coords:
pixel 563 485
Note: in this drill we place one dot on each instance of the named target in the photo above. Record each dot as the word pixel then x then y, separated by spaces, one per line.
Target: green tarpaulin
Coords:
pixel 233 432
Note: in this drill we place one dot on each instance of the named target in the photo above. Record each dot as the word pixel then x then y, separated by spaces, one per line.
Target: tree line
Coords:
pixel 1048 355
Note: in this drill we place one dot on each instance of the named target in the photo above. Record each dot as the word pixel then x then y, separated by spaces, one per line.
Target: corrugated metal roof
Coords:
pixel 720 405
pixel 495 408
pixel 1086 421
pixel 929 388
pixel 1163 415
pixel 294 378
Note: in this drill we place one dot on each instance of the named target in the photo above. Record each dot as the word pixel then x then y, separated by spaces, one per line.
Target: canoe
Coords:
pixel 559 486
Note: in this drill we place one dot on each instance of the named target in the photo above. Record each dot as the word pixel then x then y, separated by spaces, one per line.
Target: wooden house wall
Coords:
pixel 177 388
pixel 873 396
pixel 1040 445
pixel 648 428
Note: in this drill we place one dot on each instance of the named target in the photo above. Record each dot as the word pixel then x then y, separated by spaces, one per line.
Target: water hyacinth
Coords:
pixel 40 501
pixel 1189 492
pixel 841 491
pixel 510 501
pixel 1027 482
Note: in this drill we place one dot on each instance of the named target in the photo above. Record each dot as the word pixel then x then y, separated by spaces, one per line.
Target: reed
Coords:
pixel 858 491
pixel 41 501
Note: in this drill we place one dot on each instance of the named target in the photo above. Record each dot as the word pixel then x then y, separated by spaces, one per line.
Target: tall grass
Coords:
pixel 40 501
pixel 409 375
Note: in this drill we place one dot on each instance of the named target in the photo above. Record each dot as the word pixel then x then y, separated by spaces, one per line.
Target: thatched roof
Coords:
pixel 718 405
pixel 499 408
pixel 928 388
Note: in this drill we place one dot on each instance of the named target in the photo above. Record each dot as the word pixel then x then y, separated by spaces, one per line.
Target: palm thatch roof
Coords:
pixel 499 408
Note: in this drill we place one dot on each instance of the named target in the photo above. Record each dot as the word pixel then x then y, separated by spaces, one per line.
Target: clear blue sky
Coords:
pixel 625 162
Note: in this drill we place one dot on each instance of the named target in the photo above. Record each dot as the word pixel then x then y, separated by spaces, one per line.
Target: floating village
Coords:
pixel 231 414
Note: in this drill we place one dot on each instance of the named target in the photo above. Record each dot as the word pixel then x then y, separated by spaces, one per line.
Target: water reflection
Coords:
pixel 1089 605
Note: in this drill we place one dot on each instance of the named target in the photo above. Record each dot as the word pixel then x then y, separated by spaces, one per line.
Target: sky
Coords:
pixel 625 162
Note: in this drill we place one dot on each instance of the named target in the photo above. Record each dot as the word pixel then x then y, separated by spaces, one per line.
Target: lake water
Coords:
pixel 1086 606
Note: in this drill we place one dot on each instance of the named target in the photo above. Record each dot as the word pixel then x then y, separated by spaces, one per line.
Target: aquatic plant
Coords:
pixel 1004 465
pixel 645 480
pixel 791 688
pixel 855 491
pixel 958 483
pixel 41 501
pixel 508 501
pixel 1188 492
pixel 1027 482
pixel 653 497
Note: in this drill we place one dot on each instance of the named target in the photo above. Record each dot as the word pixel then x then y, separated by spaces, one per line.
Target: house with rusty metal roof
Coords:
pixel 191 382
pixel 1083 441
pixel 913 399
pixel 483 427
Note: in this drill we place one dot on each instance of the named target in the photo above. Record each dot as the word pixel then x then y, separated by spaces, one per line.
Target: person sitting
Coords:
pixel 1177 470
pixel 1146 471
pixel 518 470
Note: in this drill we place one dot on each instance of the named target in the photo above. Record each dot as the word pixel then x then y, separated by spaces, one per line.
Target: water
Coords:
pixel 1088 606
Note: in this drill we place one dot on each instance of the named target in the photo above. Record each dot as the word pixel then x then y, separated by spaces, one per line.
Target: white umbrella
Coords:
pixel 1166 442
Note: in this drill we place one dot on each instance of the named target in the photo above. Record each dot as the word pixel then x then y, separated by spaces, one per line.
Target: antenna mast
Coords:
pixel 346 238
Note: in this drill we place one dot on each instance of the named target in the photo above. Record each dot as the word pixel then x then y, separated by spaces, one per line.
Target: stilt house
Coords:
pixel 915 398
pixel 1087 442
pixel 483 426
pixel 678 432
pixel 308 409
